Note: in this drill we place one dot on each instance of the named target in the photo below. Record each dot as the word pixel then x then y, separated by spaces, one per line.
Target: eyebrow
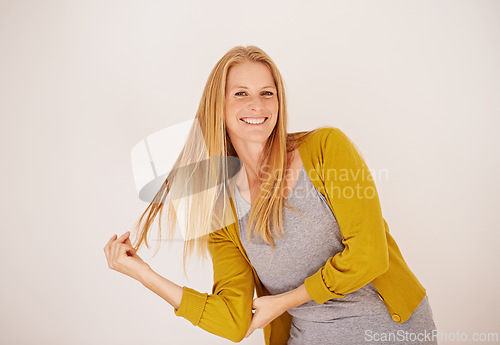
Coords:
pixel 244 87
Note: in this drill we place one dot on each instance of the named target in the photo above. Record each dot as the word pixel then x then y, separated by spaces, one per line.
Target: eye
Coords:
pixel 265 93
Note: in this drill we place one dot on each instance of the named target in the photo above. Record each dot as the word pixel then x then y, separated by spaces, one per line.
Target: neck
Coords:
pixel 249 154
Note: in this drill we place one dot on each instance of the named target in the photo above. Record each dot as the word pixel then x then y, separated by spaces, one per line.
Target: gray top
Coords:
pixel 307 244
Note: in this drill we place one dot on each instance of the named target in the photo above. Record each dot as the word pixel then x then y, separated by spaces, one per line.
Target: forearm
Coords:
pixel 169 291
pixel 295 297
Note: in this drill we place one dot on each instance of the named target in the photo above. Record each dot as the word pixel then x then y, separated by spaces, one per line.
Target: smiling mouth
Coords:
pixel 254 121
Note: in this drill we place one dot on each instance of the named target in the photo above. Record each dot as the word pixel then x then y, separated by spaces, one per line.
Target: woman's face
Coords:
pixel 250 95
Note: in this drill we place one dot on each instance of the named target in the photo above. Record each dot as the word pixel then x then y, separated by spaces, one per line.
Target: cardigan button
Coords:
pixel 396 317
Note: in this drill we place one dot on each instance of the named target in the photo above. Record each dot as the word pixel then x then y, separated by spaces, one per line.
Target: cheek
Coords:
pixel 274 106
pixel 230 112
pixel 227 109
pixel 230 107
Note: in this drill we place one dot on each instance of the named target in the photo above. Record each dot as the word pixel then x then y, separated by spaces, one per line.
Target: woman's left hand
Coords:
pixel 267 308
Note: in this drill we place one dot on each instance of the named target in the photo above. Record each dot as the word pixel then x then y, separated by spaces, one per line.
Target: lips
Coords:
pixel 249 117
pixel 244 119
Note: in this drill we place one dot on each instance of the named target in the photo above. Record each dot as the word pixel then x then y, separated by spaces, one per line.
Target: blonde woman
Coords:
pixel 309 238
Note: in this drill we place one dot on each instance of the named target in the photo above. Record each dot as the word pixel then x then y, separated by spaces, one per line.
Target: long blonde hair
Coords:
pixel 207 143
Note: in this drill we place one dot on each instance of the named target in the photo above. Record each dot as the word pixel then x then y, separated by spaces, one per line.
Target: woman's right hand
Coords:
pixel 122 257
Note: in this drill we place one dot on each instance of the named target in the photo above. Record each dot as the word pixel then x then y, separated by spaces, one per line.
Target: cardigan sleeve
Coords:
pixel 351 193
pixel 227 311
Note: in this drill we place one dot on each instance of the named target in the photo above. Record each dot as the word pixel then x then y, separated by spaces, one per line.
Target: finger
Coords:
pixel 132 249
pixel 250 331
pixel 115 245
pixel 106 247
pixel 128 244
pixel 123 237
pixel 115 252
pixel 110 240
pixel 123 249
pixel 118 249
pixel 127 241
pixel 252 327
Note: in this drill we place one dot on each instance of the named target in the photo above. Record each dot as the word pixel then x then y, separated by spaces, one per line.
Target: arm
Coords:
pixel 294 298
pixel 353 197
pixel 169 291
pixel 226 312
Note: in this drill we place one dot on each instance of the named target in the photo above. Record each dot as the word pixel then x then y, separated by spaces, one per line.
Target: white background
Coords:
pixel 415 84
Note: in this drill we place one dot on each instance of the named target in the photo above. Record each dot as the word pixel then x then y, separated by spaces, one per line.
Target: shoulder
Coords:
pixel 330 145
pixel 320 137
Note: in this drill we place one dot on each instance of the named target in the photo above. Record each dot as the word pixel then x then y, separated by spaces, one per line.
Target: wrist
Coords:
pixel 294 298
pixel 285 301
pixel 144 273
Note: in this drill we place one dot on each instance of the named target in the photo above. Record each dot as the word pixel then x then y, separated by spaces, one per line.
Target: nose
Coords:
pixel 256 103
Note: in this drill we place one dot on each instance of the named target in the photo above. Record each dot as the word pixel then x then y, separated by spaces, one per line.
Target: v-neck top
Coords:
pixel 301 172
pixel 308 243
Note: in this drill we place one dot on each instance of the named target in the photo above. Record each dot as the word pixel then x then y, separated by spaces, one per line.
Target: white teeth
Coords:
pixel 254 121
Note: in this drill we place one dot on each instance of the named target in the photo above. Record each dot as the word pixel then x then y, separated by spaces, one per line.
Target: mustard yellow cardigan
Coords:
pixel 338 171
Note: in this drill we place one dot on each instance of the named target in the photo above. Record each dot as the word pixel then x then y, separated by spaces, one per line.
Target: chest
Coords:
pixel 310 238
pixel 250 189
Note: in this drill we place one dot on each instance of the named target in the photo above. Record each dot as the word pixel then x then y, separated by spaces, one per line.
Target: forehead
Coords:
pixel 249 74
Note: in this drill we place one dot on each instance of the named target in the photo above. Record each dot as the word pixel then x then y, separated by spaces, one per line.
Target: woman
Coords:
pixel 325 268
